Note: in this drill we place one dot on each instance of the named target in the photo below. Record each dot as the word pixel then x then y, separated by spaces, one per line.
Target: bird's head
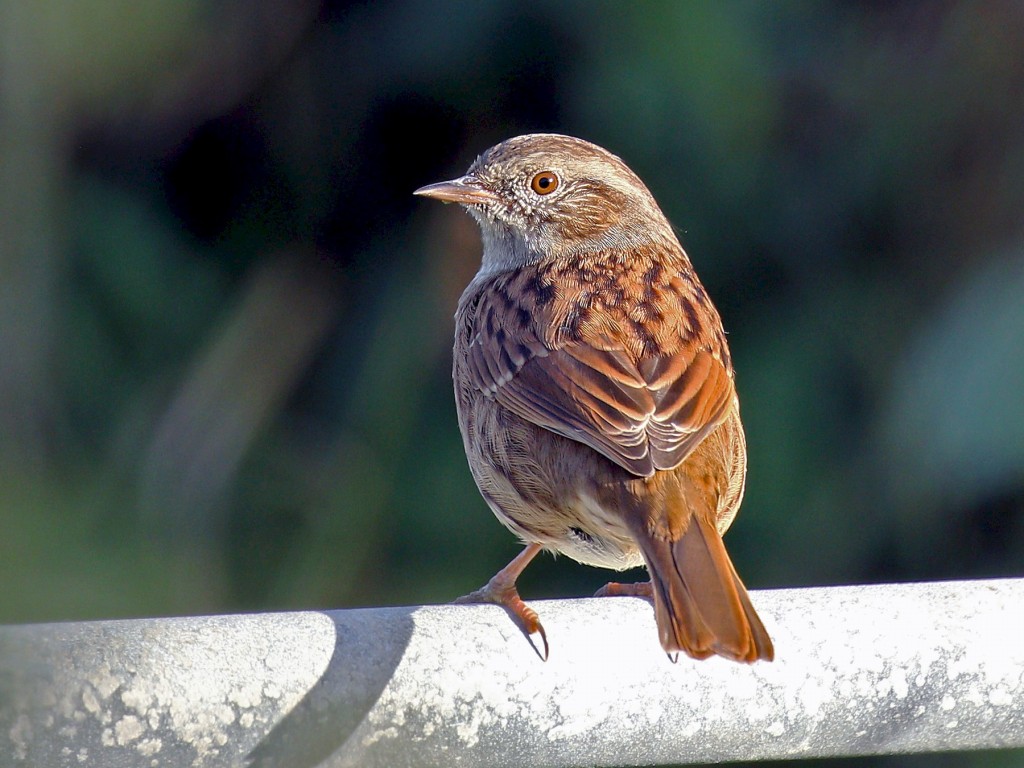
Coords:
pixel 544 196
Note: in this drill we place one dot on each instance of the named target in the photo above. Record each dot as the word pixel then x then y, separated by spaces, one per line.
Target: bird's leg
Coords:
pixel 615 589
pixel 501 590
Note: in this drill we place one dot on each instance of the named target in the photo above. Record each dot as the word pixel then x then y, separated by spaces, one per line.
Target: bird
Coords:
pixel 595 391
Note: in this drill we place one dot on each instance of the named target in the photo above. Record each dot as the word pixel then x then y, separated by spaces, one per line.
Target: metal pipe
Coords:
pixel 860 670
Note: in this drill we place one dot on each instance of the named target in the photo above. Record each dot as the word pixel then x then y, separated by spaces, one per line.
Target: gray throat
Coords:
pixel 504 250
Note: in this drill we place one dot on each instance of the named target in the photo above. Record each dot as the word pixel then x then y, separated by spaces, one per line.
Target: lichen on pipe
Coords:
pixel 859 670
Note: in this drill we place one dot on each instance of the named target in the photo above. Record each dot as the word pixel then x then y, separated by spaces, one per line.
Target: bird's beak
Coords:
pixel 465 189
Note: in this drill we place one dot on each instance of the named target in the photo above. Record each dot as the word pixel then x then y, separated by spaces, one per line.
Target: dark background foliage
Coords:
pixel 225 322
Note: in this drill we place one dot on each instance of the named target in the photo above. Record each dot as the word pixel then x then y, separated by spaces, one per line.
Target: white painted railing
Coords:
pixel 859 670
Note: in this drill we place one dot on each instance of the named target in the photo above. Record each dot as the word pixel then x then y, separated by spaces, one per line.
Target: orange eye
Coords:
pixel 544 183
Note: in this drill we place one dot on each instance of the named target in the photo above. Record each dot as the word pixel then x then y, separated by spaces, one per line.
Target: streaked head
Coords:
pixel 546 195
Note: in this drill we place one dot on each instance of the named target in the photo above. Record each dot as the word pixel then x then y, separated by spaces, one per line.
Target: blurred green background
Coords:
pixel 225 323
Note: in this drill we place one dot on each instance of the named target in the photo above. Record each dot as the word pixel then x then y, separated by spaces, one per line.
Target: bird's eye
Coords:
pixel 544 183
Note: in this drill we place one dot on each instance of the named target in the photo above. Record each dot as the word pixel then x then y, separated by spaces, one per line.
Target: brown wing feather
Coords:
pixel 644 408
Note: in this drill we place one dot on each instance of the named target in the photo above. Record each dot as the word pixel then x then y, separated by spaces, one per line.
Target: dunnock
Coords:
pixel 595 390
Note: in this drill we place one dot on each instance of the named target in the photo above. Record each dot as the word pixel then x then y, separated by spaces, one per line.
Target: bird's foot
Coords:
pixel 502 592
pixel 615 589
pixel 639 589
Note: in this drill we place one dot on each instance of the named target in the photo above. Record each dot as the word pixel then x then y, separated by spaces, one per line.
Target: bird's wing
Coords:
pixel 644 415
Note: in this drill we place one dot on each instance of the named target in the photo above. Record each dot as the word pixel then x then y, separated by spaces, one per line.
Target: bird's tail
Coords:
pixel 701 606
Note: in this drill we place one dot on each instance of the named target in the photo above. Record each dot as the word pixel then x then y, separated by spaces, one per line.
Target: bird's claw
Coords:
pixel 507 596
pixel 615 589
